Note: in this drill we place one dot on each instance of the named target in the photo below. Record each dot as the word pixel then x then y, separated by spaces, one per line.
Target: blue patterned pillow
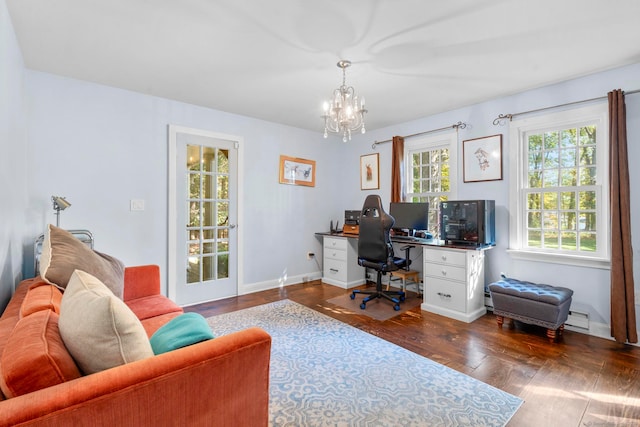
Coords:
pixel 181 331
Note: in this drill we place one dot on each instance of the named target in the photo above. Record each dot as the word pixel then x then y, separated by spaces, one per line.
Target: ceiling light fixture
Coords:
pixel 344 112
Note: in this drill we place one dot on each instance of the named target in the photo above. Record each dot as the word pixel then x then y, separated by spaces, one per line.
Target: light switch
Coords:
pixel 137 204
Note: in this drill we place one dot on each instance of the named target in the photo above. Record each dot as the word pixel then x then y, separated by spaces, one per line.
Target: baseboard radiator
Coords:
pixel 578 320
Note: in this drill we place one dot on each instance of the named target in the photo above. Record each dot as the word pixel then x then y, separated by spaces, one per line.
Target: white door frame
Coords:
pixel 172 213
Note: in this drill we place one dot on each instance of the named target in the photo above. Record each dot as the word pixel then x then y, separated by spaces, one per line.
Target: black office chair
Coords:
pixel 375 250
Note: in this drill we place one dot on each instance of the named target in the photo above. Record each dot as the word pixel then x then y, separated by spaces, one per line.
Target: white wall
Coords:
pixel 13 164
pixel 114 144
pixel 590 285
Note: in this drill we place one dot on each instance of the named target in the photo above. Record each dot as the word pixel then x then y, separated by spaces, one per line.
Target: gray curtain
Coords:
pixel 623 311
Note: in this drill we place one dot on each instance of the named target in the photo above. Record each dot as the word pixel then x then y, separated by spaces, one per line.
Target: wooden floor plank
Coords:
pixel 615 399
pixel 557 396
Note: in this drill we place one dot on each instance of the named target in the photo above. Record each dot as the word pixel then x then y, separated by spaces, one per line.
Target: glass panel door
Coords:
pixel 205 207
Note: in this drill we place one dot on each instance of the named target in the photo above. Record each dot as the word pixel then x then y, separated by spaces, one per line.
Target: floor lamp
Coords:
pixel 59 204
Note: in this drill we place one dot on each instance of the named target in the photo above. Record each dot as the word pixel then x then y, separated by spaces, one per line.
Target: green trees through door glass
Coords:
pixel 208 213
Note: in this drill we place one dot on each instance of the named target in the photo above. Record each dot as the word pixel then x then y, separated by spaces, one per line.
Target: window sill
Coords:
pixel 554 258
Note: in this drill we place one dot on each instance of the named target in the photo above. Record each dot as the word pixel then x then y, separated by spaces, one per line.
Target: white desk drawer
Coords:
pixel 333 243
pixel 444 271
pixel 336 270
pixel 445 294
pixel 337 254
pixel 443 256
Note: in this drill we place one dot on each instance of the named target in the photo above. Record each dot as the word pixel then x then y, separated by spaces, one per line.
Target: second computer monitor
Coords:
pixel 410 216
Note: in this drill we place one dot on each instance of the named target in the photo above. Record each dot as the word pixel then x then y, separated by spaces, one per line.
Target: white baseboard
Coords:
pixel 249 288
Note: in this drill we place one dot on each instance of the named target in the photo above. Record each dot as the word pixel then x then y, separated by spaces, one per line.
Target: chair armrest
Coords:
pixel 141 281
pixel 222 382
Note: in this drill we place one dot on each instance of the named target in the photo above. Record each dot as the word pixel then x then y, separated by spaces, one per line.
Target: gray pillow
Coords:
pixel 62 253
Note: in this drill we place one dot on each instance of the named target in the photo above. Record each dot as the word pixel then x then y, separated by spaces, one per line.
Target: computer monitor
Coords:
pixel 410 216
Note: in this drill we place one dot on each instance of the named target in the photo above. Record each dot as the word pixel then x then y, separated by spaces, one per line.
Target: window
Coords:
pixel 559 197
pixel 431 172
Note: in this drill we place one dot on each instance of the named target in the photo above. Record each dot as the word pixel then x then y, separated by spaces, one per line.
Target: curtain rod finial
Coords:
pixel 500 120
pixel 460 125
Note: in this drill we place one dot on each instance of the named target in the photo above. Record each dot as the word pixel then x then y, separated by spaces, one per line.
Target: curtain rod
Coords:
pixel 459 125
pixel 502 117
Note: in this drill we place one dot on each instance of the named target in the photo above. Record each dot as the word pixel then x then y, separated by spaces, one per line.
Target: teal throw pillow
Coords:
pixel 181 331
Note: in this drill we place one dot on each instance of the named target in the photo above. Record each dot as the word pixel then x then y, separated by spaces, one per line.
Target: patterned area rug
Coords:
pixel 326 373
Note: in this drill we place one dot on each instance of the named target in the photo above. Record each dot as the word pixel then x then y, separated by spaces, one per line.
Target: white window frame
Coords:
pixel 518 163
pixel 430 142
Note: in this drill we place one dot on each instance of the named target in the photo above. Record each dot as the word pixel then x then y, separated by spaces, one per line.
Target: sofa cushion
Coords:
pixel 152 306
pixel 41 296
pixel 181 331
pixel 35 356
pixel 62 253
pixel 99 329
pixel 13 307
pixel 152 324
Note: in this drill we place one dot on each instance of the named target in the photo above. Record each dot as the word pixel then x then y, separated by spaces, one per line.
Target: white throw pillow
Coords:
pixel 98 329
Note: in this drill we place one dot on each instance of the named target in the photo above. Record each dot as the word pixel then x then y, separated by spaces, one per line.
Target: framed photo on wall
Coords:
pixel 370 171
pixel 296 171
pixel 482 159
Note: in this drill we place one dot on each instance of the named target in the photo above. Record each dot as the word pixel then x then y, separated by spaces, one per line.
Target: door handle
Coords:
pixel 232 226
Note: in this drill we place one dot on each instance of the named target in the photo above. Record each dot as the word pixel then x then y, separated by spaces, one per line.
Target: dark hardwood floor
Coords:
pixel 578 381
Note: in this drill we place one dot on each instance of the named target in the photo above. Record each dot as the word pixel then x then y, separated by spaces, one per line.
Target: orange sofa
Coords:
pixel 222 382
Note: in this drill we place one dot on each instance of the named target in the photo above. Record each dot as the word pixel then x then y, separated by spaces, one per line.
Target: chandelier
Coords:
pixel 344 112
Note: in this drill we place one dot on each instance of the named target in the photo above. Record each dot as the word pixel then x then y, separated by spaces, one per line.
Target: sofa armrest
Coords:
pixel 141 281
pixel 222 382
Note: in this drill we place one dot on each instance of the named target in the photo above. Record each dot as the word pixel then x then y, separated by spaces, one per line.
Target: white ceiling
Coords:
pixel 276 60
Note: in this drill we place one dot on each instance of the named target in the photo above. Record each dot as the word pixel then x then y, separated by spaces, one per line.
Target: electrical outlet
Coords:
pixel 310 255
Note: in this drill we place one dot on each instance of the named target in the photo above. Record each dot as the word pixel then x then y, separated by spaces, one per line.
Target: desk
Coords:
pixel 454 282
pixel 340 261
pixel 453 275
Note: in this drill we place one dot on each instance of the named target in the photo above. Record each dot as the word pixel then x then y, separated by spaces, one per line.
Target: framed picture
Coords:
pixel 297 171
pixel 370 171
pixel 482 159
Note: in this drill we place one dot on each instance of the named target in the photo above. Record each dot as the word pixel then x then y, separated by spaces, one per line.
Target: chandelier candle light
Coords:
pixel 345 112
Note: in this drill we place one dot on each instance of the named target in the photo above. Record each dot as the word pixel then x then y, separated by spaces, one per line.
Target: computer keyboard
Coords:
pixel 407 238
pixel 427 238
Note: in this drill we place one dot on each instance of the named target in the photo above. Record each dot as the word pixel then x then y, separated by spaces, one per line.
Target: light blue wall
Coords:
pixel 13 162
pixel 101 147
pixel 591 285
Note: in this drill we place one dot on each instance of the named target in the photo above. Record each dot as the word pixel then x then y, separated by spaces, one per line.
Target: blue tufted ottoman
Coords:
pixel 532 303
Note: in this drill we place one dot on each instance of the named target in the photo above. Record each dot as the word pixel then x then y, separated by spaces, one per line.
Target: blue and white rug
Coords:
pixel 326 373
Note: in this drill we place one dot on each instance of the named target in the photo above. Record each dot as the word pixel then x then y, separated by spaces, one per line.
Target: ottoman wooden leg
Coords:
pixel 500 320
pixel 551 334
pixel 561 329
